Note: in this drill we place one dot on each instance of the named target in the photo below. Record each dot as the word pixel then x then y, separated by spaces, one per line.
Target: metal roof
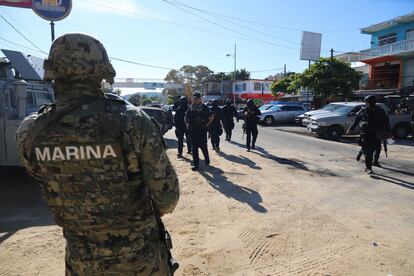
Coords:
pixel 27 67
pixel 388 24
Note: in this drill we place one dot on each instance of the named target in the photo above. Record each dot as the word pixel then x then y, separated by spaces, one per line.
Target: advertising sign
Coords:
pixel 52 10
pixel 17 3
pixel 310 46
pixel 153 85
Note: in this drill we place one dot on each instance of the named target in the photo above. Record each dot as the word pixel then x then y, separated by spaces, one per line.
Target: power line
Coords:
pixel 159 19
pixel 14 19
pixel 225 27
pixel 20 45
pixel 28 40
pixel 141 64
pixel 232 22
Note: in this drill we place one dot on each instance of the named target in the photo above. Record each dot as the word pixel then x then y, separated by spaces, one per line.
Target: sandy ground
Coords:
pixel 257 213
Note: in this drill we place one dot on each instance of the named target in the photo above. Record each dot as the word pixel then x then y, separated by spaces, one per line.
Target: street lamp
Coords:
pixel 234 76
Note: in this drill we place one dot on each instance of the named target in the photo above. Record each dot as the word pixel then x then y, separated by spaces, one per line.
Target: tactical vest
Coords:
pixel 83 161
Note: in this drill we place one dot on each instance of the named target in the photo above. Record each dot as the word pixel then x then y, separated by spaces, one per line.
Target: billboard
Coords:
pixel 310 46
pixel 17 3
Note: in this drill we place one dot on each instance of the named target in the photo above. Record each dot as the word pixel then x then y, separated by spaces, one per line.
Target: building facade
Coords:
pixel 391 56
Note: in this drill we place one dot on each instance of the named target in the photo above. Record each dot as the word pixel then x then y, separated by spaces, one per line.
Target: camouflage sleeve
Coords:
pixel 156 169
pixel 20 141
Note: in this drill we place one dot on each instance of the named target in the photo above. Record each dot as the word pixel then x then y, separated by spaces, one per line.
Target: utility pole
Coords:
pixel 52 30
pixel 234 77
pixel 332 51
pixel 284 70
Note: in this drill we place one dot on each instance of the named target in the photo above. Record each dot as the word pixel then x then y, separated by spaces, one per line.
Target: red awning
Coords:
pixel 257 96
pixel 17 3
pixel 381 59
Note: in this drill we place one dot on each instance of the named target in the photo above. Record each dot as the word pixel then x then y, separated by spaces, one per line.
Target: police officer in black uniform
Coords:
pixel 375 125
pixel 229 111
pixel 250 114
pixel 198 119
pixel 181 127
pixel 215 127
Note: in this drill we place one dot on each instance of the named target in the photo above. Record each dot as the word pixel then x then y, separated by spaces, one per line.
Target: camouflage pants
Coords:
pixel 150 260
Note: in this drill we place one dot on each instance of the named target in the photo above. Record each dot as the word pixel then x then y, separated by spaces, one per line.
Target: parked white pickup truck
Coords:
pixel 334 123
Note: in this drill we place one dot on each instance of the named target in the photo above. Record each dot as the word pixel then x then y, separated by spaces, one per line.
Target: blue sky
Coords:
pixel 158 33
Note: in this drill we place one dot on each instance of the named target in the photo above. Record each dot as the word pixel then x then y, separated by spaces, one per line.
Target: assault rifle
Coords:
pixel 166 237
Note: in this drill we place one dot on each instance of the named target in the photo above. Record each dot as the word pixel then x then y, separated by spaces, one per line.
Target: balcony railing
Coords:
pixel 399 47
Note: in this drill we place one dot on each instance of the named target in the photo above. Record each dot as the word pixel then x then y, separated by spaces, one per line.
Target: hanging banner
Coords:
pixel 52 10
pixel 17 3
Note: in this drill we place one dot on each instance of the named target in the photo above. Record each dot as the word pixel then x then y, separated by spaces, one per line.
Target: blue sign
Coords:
pixel 52 10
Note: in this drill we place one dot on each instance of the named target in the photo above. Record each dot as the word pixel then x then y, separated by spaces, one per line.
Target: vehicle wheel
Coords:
pixel 269 120
pixel 401 131
pixel 334 133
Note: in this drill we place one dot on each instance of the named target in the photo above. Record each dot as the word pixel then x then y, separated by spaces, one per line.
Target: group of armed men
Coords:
pixel 197 122
pixel 103 169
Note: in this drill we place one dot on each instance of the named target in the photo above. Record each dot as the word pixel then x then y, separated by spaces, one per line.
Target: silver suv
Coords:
pixel 280 113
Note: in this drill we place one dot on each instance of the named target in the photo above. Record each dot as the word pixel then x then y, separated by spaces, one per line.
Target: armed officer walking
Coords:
pixel 215 127
pixel 374 125
pixel 229 111
pixel 250 113
pixel 181 127
pixel 198 118
pixel 103 170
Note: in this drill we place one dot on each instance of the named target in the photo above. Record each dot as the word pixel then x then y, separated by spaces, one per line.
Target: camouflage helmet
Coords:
pixel 77 57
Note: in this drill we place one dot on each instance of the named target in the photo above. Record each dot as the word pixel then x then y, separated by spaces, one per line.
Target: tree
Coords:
pixel 193 75
pixel 220 76
pixel 145 100
pixel 289 83
pixel 329 78
pixel 241 75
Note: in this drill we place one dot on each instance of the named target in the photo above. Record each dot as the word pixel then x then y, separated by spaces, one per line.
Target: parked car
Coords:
pixel 280 113
pixel 163 117
pixel 334 123
pixel 305 118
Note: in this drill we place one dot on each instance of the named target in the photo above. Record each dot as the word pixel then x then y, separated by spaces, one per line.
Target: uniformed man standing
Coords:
pixel 104 172
pixel 181 127
pixel 229 111
pixel 215 127
pixel 374 128
pixel 250 114
pixel 198 118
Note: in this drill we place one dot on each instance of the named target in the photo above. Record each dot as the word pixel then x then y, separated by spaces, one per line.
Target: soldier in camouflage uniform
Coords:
pixel 104 172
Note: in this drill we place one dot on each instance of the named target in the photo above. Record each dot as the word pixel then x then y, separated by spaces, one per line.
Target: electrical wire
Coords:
pixel 232 22
pixel 20 45
pixel 140 64
pixel 28 40
pixel 225 27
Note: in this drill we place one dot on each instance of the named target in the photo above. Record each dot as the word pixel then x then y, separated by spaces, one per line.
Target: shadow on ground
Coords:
pixel 21 203
pixel 296 164
pixel 240 160
pixel 394 180
pixel 218 181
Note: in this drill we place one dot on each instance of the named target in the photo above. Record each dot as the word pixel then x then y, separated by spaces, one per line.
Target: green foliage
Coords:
pixel 290 83
pixel 219 77
pixel 241 75
pixel 145 100
pixel 194 75
pixel 329 78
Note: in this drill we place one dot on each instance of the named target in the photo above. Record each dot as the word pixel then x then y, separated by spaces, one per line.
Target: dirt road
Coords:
pixel 285 209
